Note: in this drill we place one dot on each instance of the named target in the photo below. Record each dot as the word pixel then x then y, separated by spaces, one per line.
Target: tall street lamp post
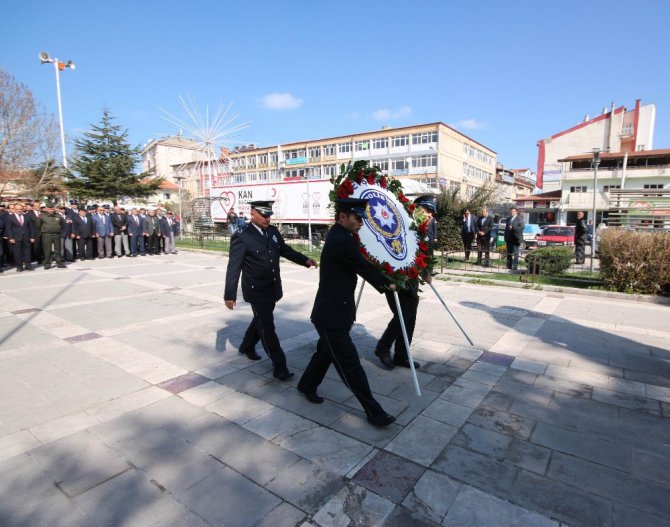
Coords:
pixel 596 163
pixel 309 209
pixel 58 67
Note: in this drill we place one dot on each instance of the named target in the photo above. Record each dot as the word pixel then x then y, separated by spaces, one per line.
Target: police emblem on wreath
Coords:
pixel 389 238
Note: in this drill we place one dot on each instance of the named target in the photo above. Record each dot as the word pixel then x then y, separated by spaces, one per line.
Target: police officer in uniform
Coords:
pixel 50 224
pixel 334 311
pixel 409 301
pixel 255 253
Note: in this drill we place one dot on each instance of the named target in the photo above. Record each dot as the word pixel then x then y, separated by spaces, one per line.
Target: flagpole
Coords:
pixel 404 336
pixel 449 311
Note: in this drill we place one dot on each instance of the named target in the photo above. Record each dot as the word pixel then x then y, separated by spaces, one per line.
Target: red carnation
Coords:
pixel 413 273
pixel 423 247
pixel 371 179
pixel 359 177
pixel 382 182
pixel 402 198
pixel 362 250
pixel 387 268
pixel 423 227
pixel 412 208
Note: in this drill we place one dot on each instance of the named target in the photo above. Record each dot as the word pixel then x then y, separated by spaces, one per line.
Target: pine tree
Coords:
pixel 106 164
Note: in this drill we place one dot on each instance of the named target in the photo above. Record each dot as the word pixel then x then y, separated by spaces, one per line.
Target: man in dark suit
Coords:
pixel 334 311
pixel 120 225
pixel 152 230
pixel 513 238
pixel 168 231
pixel 84 231
pixel 67 234
pixel 255 253
pixel 20 232
pixel 581 235
pixel 468 230
pixel 136 233
pixel 484 227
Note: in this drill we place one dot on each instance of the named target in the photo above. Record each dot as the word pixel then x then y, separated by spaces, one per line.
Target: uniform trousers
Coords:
pixel 262 327
pixel 51 248
pixel 67 248
pixel 336 347
pixel 409 303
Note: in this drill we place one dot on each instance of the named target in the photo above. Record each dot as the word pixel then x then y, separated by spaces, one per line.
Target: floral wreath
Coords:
pixel 343 187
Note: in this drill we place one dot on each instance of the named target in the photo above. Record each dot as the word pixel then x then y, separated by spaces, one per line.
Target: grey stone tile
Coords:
pixel 129 499
pixel 481 440
pixel 402 517
pixel 466 393
pixel 474 507
pixel 183 382
pixel 475 469
pixel 447 412
pixel 612 454
pixel 354 505
pixel 23 512
pixel 432 495
pixel 278 423
pixel 647 465
pixel 528 456
pixel 504 422
pixel 647 496
pixel 528 365
pixel 422 440
pixel 489 368
pixel 573 506
pixel 574 389
pixel 284 514
pixel 305 485
pixel 499 359
pixel 627 401
pixel 624 515
pixel 389 476
pixel 336 452
pixel 206 393
pixel 239 407
pixel 356 425
pixel 239 502
pixel 496 400
pixel 79 462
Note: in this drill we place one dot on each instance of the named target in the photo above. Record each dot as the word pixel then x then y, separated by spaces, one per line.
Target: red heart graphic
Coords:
pixel 227 200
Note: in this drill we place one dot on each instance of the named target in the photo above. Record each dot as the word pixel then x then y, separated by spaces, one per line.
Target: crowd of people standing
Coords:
pixel 48 233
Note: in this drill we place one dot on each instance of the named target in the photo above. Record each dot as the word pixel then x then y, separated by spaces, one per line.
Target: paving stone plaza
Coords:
pixel 124 402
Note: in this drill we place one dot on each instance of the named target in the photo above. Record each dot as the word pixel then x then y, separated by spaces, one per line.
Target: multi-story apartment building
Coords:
pixel 434 154
pixel 644 171
pixel 161 156
pixel 615 130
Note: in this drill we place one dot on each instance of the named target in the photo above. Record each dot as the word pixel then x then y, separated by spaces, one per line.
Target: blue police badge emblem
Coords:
pixel 386 231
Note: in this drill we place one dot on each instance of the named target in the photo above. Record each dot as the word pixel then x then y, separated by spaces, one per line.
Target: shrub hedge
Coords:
pixel 549 260
pixel 636 262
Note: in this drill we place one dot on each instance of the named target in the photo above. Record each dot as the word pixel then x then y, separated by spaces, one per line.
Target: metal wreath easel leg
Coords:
pixel 360 294
pixel 452 315
pixel 404 336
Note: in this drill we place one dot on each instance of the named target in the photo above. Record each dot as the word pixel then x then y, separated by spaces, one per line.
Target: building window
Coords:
pixel 454 186
pixel 251 163
pixel 380 142
pixel 314 151
pixel 607 188
pixel 424 138
pixel 360 146
pixel 166 195
pixel 425 161
pixel 430 181
pixel 471 191
pixel 263 176
pixel 578 189
pixel 654 186
pixel 263 159
pixel 252 176
pixel 329 170
pixel 398 164
pixel 344 148
pixel 329 150
pixel 240 178
pixel 382 164
pixel 314 172
pixel 400 140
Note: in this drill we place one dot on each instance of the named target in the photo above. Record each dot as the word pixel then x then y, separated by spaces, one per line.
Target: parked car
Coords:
pixel 530 233
pixel 553 235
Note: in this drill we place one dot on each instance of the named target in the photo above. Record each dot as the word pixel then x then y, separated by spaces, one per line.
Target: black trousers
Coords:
pixel 580 244
pixel 21 250
pixel 51 247
pixel 409 303
pixel 483 246
pixel 38 255
pixel 262 327
pixel 84 248
pixel 152 244
pixel 467 238
pixel 336 347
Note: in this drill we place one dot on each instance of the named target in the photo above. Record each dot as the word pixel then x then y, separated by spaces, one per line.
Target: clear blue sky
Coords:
pixel 505 73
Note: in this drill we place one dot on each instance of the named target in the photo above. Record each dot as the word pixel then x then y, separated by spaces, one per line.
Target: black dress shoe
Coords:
pixel 404 363
pixel 60 266
pixel 282 374
pixel 29 268
pixel 251 354
pixel 312 397
pixel 48 266
pixel 381 420
pixel 385 358
pixel 19 269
